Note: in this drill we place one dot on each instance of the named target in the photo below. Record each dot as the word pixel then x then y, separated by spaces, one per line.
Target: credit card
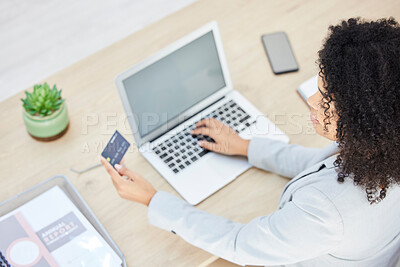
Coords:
pixel 115 149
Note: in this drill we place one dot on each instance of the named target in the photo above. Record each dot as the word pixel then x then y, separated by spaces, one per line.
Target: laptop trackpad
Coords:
pixel 209 175
pixel 227 167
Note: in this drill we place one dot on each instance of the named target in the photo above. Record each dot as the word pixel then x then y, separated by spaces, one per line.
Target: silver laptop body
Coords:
pixel 166 94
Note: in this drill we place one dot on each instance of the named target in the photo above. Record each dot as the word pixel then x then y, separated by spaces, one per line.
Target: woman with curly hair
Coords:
pixel 342 206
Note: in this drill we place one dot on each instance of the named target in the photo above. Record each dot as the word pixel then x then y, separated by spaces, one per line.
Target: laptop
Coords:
pixel 167 93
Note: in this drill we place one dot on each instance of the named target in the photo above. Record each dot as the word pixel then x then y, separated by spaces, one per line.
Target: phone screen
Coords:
pixel 279 52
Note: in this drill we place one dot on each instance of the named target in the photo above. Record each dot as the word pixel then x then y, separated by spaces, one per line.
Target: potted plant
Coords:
pixel 45 113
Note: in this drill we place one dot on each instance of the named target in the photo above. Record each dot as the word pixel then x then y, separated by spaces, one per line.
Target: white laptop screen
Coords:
pixel 173 84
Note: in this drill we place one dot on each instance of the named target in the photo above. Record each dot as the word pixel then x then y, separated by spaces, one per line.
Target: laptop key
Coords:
pixel 181 166
pixel 187 163
pixel 171 165
pixel 244 118
pixel 193 158
pixel 175 170
pixel 200 137
pixel 209 139
pixel 168 159
pixel 163 155
pixel 240 109
pixel 202 153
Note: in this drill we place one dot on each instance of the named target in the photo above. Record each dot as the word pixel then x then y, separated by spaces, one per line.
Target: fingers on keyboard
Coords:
pixel 182 149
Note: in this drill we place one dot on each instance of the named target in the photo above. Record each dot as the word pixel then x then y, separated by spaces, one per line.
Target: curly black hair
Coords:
pixel 360 66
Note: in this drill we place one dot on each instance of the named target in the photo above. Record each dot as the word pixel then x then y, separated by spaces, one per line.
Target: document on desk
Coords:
pixel 50 231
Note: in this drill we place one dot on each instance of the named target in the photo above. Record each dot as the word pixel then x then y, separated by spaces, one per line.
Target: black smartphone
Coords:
pixel 279 52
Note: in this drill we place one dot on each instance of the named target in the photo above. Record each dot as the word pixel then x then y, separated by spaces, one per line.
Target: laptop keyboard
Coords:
pixel 181 150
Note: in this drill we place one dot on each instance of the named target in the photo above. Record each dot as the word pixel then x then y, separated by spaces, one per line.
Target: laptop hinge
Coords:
pixel 188 118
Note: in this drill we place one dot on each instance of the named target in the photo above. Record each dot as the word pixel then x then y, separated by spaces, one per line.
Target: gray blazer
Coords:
pixel 319 221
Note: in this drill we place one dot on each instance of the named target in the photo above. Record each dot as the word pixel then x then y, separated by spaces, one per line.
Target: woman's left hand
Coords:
pixel 134 187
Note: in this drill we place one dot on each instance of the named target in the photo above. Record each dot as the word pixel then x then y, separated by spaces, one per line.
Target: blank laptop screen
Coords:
pixel 173 84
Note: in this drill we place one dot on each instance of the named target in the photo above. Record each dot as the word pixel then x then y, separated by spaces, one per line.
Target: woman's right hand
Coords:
pixel 227 141
pixel 134 187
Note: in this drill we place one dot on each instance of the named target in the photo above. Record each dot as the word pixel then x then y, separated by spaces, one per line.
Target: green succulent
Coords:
pixel 43 101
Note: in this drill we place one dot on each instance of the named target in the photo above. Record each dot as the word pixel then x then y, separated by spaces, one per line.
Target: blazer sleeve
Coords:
pixel 285 159
pixel 307 227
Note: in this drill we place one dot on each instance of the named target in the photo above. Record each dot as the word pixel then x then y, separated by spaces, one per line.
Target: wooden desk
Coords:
pixel 96 110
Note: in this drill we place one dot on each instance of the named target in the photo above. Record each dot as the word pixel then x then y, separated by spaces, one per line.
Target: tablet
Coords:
pixel 51 225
